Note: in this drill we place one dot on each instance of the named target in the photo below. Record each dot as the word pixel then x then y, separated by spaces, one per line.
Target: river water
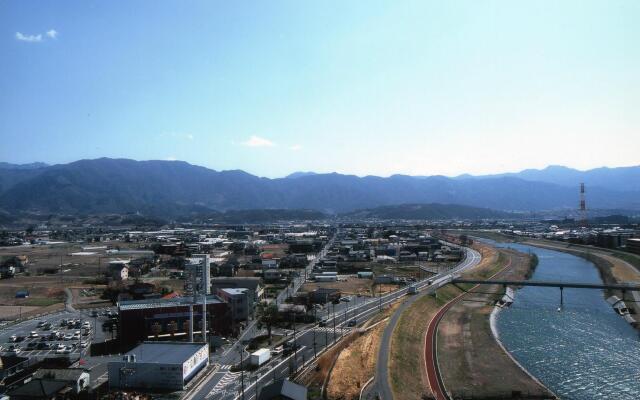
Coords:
pixel 585 351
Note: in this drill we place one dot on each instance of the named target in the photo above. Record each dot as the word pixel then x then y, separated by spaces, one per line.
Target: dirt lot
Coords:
pixel 349 286
pixel 471 362
pixel 43 257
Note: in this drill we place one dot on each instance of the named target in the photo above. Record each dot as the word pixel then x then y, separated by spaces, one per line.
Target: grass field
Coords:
pixel 406 361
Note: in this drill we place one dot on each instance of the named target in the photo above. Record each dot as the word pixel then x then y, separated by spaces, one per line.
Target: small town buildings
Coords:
pixel 159 365
pixel 239 301
pixel 256 289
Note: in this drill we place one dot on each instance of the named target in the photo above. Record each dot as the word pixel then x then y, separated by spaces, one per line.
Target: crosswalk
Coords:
pixel 226 384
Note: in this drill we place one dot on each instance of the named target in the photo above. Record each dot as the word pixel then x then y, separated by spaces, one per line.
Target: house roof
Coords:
pixel 59 374
pixel 285 388
pixel 38 389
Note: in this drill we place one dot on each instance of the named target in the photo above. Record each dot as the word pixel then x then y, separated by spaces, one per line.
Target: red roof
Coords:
pixel 171 295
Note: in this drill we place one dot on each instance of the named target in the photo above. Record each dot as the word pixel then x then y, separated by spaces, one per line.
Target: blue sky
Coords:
pixel 362 87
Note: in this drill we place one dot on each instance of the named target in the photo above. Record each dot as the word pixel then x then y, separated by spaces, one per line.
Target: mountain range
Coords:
pixel 178 188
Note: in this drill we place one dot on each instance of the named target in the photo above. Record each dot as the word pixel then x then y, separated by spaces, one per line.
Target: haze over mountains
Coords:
pixel 175 187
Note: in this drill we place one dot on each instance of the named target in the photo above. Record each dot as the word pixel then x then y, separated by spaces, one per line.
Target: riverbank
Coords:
pixel 612 270
pixel 473 364
pixel 471 361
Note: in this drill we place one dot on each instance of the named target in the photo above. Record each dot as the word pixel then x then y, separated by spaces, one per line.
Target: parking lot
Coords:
pixel 63 334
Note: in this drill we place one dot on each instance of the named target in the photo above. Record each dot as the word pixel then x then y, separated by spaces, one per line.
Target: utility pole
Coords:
pixel 295 346
pixel 315 322
pixel 334 322
pixel 242 369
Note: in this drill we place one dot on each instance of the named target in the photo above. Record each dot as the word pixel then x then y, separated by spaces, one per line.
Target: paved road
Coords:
pixel 381 385
pixel 222 383
pixel 326 337
pixel 312 339
pixel 431 343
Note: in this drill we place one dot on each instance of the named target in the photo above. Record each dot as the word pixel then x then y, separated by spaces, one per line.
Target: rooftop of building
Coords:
pixel 165 352
pixel 160 303
pixel 234 291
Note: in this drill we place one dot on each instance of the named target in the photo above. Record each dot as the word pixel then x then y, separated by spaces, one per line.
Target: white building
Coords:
pixel 198 275
pixel 159 365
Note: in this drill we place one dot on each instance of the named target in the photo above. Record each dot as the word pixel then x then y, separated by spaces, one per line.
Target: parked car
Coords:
pixel 33 334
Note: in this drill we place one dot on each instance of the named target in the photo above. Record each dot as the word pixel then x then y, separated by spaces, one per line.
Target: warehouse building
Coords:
pixel 159 365
pixel 168 319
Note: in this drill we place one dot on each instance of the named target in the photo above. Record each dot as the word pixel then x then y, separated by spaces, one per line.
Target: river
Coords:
pixel 585 351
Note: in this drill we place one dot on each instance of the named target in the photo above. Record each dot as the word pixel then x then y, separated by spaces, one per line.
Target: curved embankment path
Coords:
pixel 462 358
pixel 381 387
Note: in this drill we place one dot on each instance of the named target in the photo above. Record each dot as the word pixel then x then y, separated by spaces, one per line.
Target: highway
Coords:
pixel 380 385
pixel 220 382
pixel 431 343
pixel 314 339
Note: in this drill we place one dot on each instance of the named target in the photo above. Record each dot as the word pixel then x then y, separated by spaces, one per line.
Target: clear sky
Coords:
pixel 362 87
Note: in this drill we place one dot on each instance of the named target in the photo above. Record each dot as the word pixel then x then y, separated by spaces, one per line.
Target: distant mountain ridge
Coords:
pixel 35 165
pixel 620 178
pixel 431 211
pixel 175 187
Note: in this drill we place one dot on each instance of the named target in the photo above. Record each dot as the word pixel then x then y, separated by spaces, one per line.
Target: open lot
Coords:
pixel 347 285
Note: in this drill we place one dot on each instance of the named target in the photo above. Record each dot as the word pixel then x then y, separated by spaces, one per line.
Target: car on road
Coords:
pixel 345 299
pixel 41 324
pixel 323 321
pixel 277 351
pixel 94 313
pixel 352 322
